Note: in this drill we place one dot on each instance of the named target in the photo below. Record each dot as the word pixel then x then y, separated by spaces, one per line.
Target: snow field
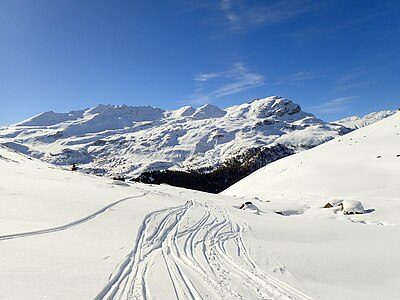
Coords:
pixel 121 240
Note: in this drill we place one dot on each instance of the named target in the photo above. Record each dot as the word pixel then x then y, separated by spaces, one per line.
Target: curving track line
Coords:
pixel 69 225
pixel 205 255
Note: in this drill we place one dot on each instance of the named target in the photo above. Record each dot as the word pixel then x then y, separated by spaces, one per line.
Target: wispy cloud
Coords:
pixel 334 105
pixel 353 79
pixel 297 77
pixel 185 6
pixel 232 81
pixel 202 77
pixel 245 15
pixel 352 86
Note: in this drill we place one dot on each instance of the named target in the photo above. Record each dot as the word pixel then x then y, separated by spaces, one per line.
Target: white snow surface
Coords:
pixel 67 235
pixel 352 206
pixel 129 140
pixel 363 162
pixel 356 252
pixel 356 122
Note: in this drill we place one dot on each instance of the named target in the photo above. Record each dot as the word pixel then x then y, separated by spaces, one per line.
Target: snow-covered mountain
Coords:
pixel 124 140
pixel 356 122
pixel 67 235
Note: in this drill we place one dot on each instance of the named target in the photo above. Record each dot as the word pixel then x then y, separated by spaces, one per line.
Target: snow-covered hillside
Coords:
pixel 353 251
pixel 118 140
pixel 356 122
pixel 363 163
pixel 67 235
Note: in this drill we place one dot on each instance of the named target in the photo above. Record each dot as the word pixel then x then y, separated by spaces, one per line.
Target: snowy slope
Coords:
pixel 363 163
pixel 356 122
pixel 352 251
pixel 65 235
pixel 130 140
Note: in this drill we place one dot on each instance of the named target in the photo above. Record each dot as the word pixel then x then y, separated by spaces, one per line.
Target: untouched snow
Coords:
pixel 116 140
pixel 354 256
pixel 363 163
pixel 65 235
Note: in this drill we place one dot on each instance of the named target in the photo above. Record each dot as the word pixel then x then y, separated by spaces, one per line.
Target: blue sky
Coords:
pixel 334 58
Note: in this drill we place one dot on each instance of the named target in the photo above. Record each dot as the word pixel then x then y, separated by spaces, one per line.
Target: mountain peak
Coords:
pixel 50 118
pixel 273 106
pixel 267 107
pixel 184 111
pixel 123 110
pixel 208 111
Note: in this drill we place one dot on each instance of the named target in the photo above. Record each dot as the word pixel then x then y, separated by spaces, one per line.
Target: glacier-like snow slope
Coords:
pixel 127 140
pixel 353 252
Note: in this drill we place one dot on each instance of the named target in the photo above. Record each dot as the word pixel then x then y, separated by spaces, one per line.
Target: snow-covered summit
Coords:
pixel 50 118
pixel 264 108
pixel 182 112
pixel 131 113
pixel 208 111
pixel 120 115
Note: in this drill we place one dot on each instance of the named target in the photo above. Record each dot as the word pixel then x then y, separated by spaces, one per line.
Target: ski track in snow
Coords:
pixel 203 249
pixel 69 225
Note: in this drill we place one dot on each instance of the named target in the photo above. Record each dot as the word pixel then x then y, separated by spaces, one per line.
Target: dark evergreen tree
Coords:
pixel 217 180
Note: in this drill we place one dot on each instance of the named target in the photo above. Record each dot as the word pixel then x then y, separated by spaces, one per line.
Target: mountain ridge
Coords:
pixel 121 140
